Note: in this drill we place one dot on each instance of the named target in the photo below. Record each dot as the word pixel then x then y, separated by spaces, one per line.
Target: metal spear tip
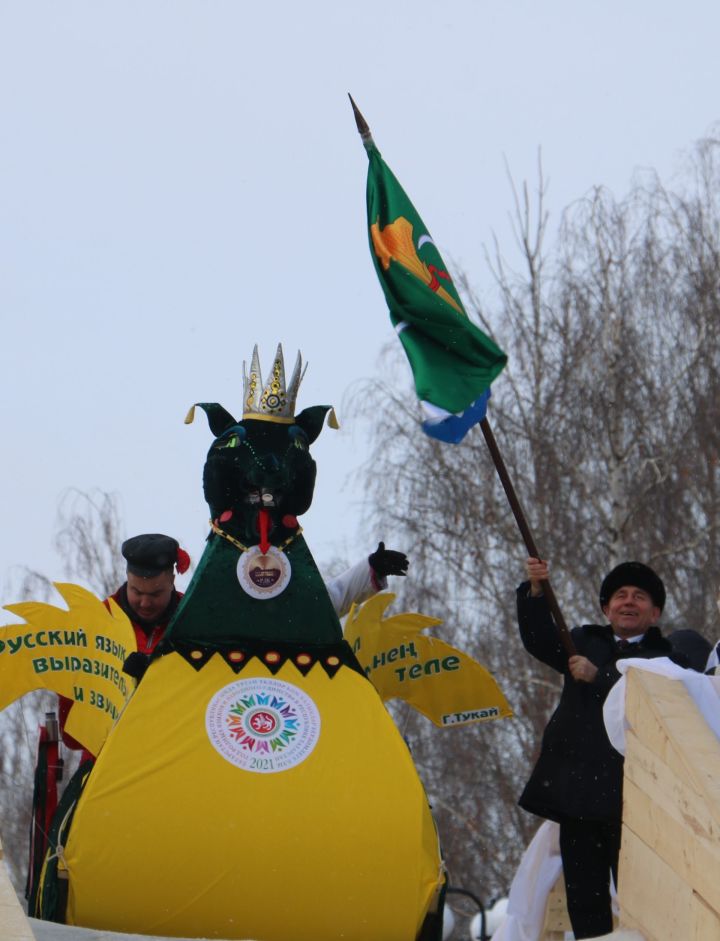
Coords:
pixel 362 125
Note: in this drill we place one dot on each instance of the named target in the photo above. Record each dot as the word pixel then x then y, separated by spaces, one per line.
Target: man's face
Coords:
pixel 148 597
pixel 631 611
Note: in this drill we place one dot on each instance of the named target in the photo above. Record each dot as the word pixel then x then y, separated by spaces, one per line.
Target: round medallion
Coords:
pixel 263 575
pixel 262 725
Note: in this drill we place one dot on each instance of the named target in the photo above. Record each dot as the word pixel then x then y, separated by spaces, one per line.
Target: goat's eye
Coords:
pixel 233 437
pixel 298 437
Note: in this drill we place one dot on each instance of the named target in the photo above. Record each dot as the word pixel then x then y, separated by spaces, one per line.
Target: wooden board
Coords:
pixel 14 925
pixel 656 901
pixel 670 853
pixel 556 916
pixel 673 821
pixel 664 717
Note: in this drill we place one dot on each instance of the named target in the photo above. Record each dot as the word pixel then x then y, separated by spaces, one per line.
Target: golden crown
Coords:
pixel 273 401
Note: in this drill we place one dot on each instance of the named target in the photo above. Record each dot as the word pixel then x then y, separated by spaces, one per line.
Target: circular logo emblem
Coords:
pixel 262 725
pixel 263 575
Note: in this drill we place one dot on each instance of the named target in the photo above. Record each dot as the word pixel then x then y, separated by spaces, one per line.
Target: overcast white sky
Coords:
pixel 181 179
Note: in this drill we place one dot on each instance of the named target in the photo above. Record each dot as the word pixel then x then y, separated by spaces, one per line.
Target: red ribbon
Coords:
pixel 264 527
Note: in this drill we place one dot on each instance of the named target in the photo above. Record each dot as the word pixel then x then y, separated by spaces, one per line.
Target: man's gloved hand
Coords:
pixel 388 561
pixel 136 664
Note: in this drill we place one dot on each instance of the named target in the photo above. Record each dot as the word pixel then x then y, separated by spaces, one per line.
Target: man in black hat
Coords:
pixel 577 780
pixel 149 597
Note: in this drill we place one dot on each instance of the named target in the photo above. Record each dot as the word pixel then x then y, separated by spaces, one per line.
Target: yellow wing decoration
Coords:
pixel 77 653
pixel 446 685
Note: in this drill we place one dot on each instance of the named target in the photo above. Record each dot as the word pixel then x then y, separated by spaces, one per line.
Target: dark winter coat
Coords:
pixel 579 774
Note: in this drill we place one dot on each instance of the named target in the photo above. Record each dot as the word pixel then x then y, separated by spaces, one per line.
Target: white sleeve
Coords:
pixel 356 584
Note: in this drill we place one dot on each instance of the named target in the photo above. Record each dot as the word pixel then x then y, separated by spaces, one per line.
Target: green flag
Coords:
pixel 452 360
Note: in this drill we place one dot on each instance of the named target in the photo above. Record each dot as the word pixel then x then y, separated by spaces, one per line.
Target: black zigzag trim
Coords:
pixel 303 656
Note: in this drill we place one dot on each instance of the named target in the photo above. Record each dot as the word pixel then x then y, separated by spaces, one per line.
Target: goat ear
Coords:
pixel 311 420
pixel 218 418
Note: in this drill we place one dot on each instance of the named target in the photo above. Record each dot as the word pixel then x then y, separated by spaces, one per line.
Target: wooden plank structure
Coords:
pixel 14 925
pixel 669 876
pixel 670 856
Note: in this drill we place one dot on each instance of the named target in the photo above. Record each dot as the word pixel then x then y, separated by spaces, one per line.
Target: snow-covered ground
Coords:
pixel 48 931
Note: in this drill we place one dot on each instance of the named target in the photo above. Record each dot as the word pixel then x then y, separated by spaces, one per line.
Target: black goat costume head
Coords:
pixel 262 461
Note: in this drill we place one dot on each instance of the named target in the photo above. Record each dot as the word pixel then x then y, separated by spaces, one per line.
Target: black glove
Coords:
pixel 388 562
pixel 136 664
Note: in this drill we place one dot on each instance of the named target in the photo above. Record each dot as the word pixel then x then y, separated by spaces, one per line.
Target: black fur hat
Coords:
pixel 637 575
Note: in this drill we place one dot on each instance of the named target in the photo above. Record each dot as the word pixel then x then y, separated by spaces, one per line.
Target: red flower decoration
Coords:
pixel 183 561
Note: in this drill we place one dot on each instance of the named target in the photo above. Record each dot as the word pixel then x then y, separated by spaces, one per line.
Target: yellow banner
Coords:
pixel 440 681
pixel 77 653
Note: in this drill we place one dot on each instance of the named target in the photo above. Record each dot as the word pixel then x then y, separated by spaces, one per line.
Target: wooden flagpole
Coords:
pixel 521 520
